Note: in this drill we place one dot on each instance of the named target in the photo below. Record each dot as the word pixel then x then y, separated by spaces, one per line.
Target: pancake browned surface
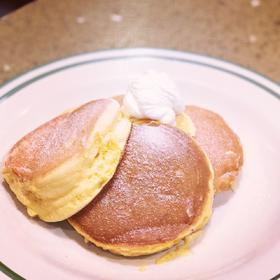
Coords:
pixel 220 143
pixel 161 192
pixel 52 169
pixel 55 141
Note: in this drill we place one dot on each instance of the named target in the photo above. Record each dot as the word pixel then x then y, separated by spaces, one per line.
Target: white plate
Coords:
pixel 242 240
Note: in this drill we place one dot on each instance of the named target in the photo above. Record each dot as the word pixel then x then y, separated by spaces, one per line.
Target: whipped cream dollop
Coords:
pixel 153 96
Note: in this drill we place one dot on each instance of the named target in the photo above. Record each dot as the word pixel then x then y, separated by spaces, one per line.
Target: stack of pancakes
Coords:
pixel 131 187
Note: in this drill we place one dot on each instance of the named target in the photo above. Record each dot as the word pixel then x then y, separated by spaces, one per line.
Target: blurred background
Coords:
pixel 245 32
pixel 7 6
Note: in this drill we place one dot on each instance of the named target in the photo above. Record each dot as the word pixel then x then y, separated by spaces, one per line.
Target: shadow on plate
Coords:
pixel 18 205
pixel 135 261
pixel 223 198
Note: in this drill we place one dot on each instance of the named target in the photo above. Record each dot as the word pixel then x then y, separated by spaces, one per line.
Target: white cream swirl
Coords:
pixel 153 96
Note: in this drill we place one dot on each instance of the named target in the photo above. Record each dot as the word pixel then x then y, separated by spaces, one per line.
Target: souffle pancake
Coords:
pixel 61 166
pixel 220 143
pixel 161 192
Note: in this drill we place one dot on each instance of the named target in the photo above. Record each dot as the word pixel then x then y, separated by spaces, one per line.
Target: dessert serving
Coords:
pixel 133 174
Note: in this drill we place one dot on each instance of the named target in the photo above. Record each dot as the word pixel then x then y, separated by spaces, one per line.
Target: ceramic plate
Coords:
pixel 242 240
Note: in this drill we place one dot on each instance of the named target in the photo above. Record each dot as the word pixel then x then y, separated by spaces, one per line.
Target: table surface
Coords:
pixel 245 32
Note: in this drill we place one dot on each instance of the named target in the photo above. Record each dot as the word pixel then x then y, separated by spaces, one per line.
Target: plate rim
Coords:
pixel 132 53
pixel 104 50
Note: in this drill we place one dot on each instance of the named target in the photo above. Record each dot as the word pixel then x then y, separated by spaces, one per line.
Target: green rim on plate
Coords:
pixel 9 272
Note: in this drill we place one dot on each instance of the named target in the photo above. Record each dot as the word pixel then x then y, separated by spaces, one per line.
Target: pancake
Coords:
pixel 61 166
pixel 220 143
pixel 161 192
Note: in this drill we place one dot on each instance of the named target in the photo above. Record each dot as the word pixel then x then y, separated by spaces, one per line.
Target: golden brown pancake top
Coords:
pixel 158 190
pixel 55 141
pixel 220 143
